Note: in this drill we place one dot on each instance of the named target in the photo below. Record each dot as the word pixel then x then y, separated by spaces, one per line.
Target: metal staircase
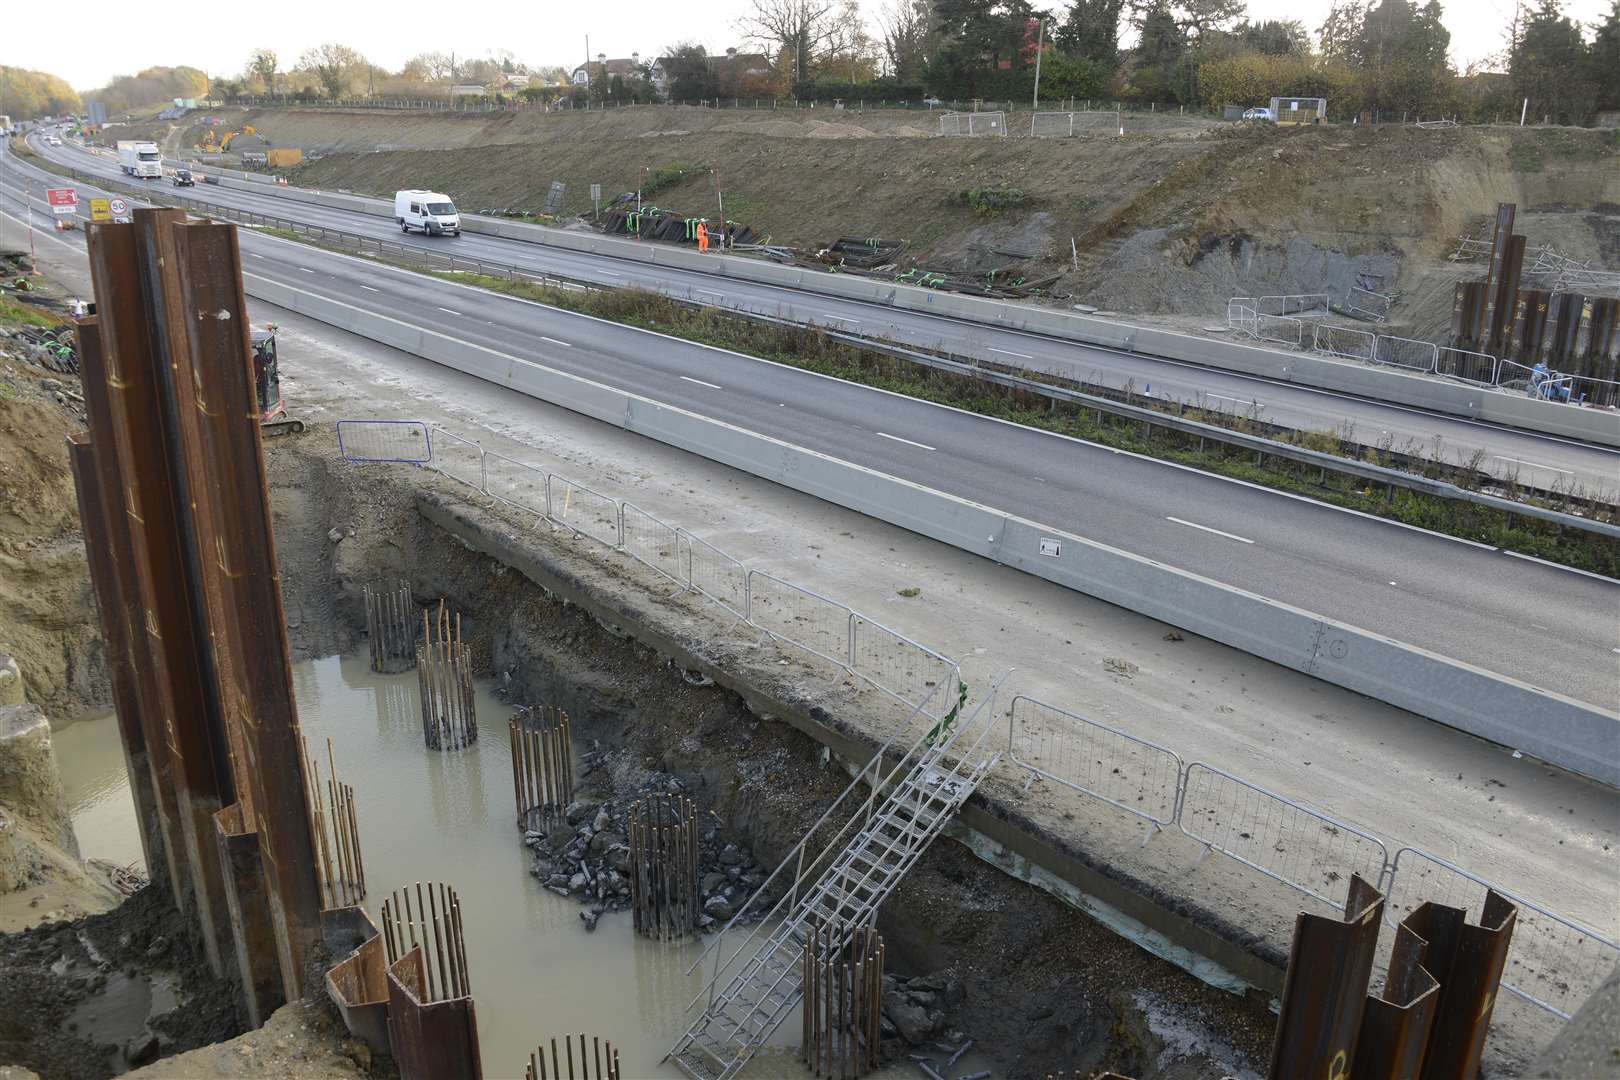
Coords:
pixel 748 999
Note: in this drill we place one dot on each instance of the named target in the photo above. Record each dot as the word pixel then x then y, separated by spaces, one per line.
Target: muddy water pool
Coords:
pixel 431 816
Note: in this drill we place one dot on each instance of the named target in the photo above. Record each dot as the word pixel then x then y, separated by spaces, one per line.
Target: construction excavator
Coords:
pixel 273 418
pixel 209 146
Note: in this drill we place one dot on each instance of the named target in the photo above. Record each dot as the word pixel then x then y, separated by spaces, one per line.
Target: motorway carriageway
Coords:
pixel 1540 460
pixel 1549 626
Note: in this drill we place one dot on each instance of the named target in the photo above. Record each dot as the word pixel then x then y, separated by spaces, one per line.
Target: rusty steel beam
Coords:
pixel 193 274
pixel 1486 326
pixel 97 509
pixel 1325 990
pixel 1507 298
pixel 1468 960
pixel 431 1040
pixel 1395 1028
pixel 251 925
pixel 124 380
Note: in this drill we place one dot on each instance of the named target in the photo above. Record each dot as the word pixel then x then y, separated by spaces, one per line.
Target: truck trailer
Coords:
pixel 140 159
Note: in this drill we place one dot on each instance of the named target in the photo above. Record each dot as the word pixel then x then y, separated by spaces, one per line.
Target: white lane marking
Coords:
pixel 908 442
pixel 306 269
pixel 610 273
pixel 554 341
pixel 370 288
pixel 401 271
pixel 449 311
pixel 1558 566
pixel 1615 650
pixel 1533 464
pixel 852 322
pixel 1206 528
pixel 700 382
pixel 1009 352
pixel 1239 400
pixel 255 254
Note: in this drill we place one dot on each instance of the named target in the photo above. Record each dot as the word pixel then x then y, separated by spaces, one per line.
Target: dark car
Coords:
pixel 183 178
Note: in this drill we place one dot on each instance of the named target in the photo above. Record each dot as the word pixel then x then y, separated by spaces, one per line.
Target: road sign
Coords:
pixel 99 210
pixel 596 198
pixel 119 209
pixel 63 200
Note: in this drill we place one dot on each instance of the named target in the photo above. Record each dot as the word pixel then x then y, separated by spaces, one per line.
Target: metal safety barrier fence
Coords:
pixel 1063 124
pixel 1467 366
pixel 1304 304
pixel 1554 963
pixel 1281 838
pixel 1408 353
pixel 973 123
pixel 881 657
pixel 1345 341
pixel 1137 776
pixel 1285 329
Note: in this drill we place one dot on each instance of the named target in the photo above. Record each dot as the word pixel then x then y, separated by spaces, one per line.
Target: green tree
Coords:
pixel 1274 37
pixel 25 94
pixel 1090 30
pixel 1604 62
pixel 261 67
pixel 1340 33
pixel 908 38
pixel 1549 66
pixel 690 76
pixel 334 67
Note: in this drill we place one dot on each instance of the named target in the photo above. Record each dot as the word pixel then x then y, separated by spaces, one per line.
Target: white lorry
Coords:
pixel 140 159
pixel 426 211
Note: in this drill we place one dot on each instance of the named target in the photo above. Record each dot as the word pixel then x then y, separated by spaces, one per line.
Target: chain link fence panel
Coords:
pixel 1466 365
pixel 715 574
pixel 1345 341
pixel 1408 353
pixel 651 542
pixel 1279 328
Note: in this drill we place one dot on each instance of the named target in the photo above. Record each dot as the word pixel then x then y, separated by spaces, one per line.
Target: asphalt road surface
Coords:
pixel 1552 627
pixel 1539 460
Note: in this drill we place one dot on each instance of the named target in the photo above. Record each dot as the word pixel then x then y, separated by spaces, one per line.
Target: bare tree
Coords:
pixel 907 26
pixel 261 65
pixel 333 66
pixel 428 67
pixel 802 26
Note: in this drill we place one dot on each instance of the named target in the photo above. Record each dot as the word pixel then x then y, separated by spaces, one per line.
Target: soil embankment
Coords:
pixel 1172 219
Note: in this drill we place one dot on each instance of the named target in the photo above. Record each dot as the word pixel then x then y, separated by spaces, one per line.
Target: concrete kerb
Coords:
pixel 1564 732
pixel 1222 954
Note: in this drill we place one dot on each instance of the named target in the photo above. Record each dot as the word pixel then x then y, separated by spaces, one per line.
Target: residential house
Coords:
pixel 589 74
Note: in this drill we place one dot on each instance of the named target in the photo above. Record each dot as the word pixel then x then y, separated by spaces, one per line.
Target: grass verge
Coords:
pixel 812 350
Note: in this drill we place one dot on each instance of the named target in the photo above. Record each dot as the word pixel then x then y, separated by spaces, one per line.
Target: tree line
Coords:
pixel 26 94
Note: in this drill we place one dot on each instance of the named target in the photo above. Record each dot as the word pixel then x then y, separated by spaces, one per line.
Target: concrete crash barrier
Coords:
pixel 1573 735
pixel 1307 369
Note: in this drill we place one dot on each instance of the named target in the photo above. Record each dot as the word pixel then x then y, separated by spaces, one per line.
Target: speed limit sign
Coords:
pixel 119 209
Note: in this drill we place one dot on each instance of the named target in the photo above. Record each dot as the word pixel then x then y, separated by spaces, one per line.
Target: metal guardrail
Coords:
pixel 1259 444
pixel 883 658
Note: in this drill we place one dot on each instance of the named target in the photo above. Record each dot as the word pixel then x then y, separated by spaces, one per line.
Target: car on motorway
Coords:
pixel 55 140
pixel 1261 114
pixel 183 178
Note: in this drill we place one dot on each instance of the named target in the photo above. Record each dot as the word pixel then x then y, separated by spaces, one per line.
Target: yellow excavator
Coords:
pixel 209 146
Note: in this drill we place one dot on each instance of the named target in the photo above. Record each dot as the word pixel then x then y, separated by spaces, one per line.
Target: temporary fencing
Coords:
pixel 1294 304
pixel 1555 963
pixel 1253 316
pixel 1061 124
pixel 1365 302
pixel 384 440
pixel 974 123
pixel 1139 777
pixel 1287 840
pixel 883 658
pixel 1345 341
pixel 1466 365
pixel 1407 353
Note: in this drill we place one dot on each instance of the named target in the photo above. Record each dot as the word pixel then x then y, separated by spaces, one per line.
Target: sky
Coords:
pixel 118 39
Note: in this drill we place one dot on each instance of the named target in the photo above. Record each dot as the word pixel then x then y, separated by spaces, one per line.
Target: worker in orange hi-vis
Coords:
pixel 702 237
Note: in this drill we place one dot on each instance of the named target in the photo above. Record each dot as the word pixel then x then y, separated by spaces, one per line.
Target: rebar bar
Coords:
pixel 337 833
pixel 843 1000
pixel 391 627
pixel 601 1063
pixel 664 865
pixel 542 765
pixel 434 926
pixel 444 679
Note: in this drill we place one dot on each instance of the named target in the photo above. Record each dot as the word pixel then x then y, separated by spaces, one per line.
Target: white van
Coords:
pixel 427 211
